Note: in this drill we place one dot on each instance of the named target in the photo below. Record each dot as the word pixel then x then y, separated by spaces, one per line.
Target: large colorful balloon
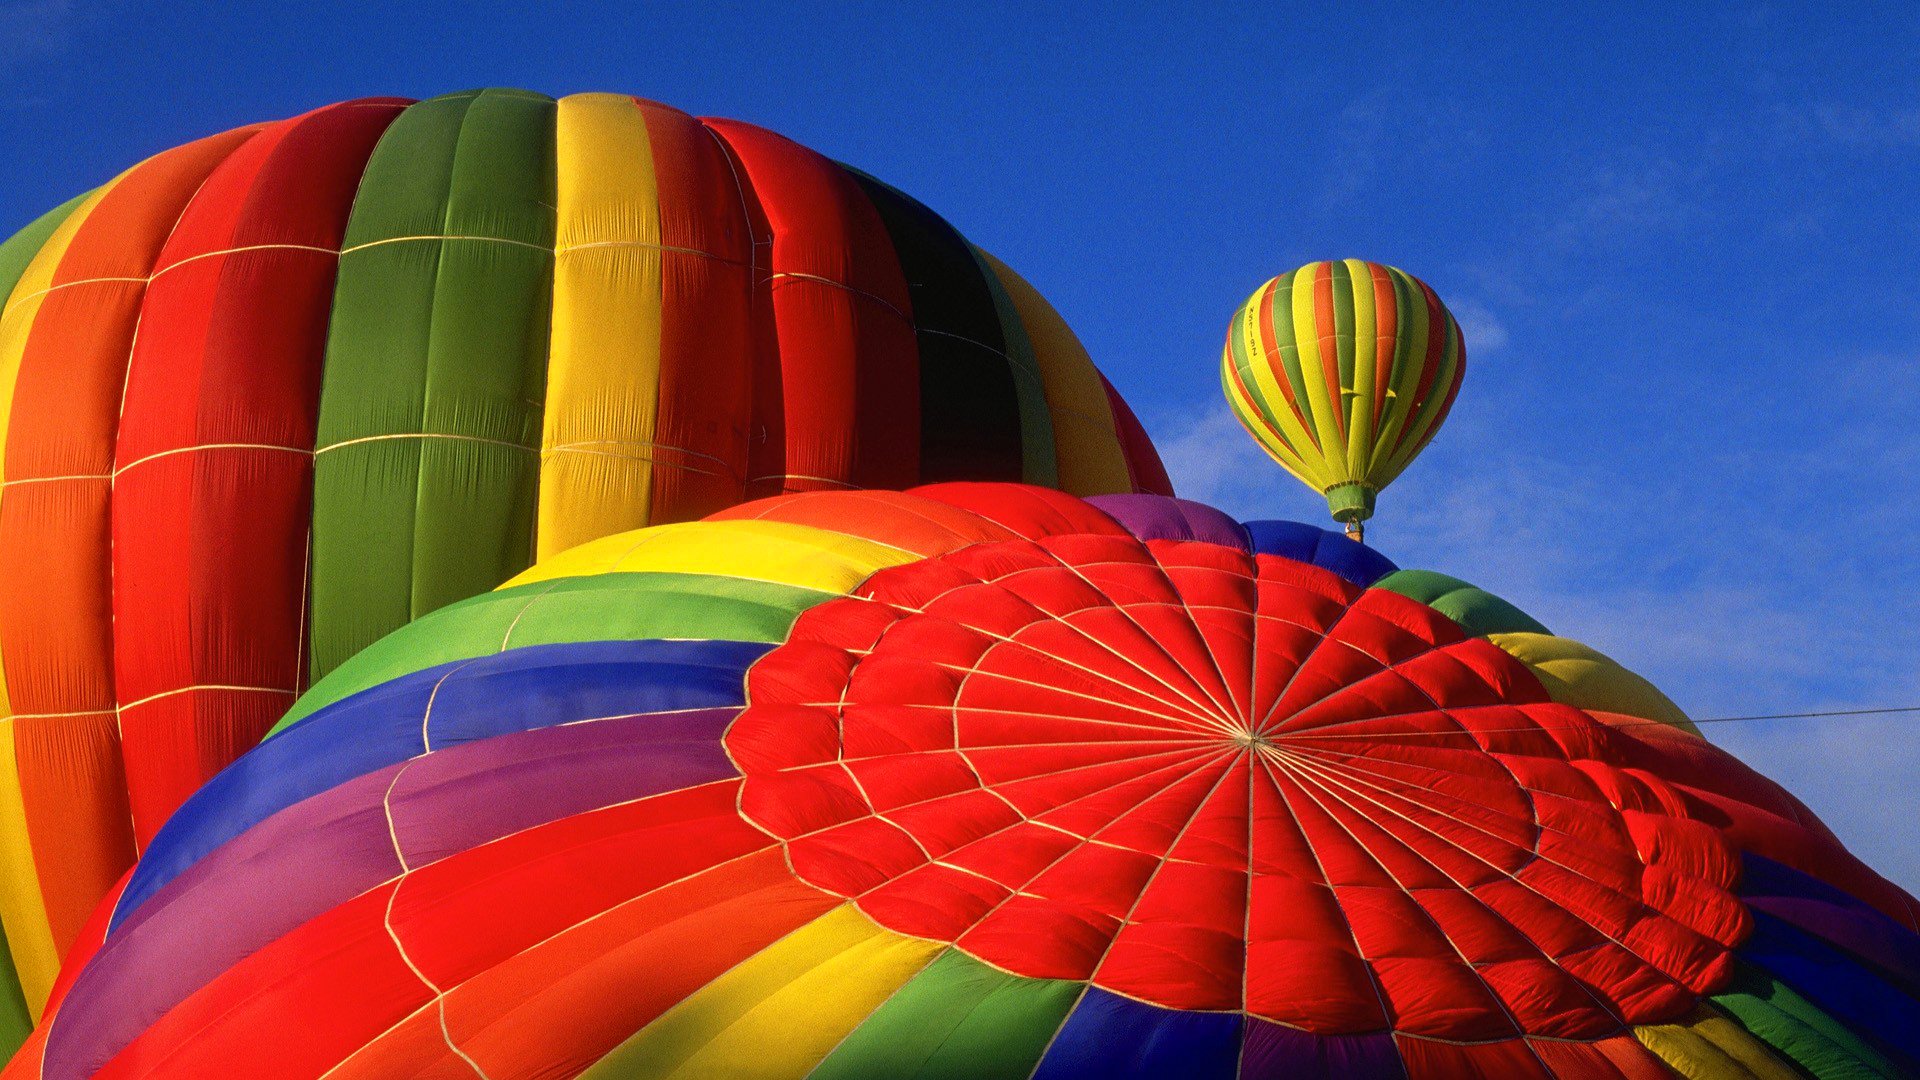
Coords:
pixel 988 781
pixel 1342 372
pixel 267 396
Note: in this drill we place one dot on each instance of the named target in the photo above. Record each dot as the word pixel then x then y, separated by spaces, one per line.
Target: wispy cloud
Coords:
pixel 1484 331
pixel 1729 609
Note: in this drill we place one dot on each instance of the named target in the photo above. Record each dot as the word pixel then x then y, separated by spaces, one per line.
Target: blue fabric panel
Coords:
pixel 1356 562
pixel 546 684
pixel 1108 1036
pixel 1850 992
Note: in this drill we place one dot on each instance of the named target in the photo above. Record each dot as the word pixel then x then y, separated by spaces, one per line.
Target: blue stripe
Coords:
pixel 1839 985
pixel 1356 562
pixel 518 690
pixel 1111 1036
pixel 1834 916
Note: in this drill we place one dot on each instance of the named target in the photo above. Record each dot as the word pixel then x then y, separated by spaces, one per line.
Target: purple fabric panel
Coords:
pixel 323 851
pixel 1859 930
pixel 1273 1052
pixel 1157 517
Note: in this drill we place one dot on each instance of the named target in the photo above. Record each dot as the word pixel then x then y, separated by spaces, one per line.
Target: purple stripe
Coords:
pixel 1272 1052
pixel 1157 517
pixel 323 851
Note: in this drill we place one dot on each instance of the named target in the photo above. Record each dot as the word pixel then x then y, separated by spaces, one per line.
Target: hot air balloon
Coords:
pixel 1343 372
pixel 985 780
pixel 269 395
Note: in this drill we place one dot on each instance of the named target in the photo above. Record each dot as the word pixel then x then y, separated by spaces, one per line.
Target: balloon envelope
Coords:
pixel 269 395
pixel 1342 372
pixel 985 780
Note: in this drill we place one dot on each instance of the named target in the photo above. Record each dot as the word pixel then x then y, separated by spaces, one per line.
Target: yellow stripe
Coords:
pixel 23 909
pixel 1579 675
pixel 1287 433
pixel 1708 1046
pixel 1085 442
pixel 779 1013
pixel 774 551
pixel 1359 404
pixel 1306 336
pixel 1248 413
pixel 603 364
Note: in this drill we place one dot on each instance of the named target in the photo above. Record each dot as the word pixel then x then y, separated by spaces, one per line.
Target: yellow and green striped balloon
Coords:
pixel 1343 371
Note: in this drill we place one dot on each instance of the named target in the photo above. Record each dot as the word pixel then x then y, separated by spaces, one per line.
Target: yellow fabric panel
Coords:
pixel 775 551
pixel 23 910
pixel 1576 674
pixel 779 1013
pixel 603 364
pixel 1706 1045
pixel 1247 412
pixel 1357 400
pixel 1086 445
pixel 1289 442
pixel 1306 337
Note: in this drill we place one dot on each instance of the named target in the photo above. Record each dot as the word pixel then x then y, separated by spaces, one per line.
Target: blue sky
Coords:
pixel 1681 239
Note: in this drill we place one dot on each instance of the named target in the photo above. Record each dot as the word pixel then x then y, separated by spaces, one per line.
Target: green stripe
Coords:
pixel 958 1019
pixel 1241 337
pixel 1798 1030
pixel 446 337
pixel 1479 611
pixel 1288 345
pixel 1343 335
pixel 22 246
pixel 600 607
pixel 1040 461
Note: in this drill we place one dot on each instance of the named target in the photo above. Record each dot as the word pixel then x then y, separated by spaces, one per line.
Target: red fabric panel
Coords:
pixel 848 362
pixel 1027 512
pixel 214 493
pixel 562 1004
pixel 91 937
pixel 922 526
pixel 1143 461
pixel 55 579
pixel 706 336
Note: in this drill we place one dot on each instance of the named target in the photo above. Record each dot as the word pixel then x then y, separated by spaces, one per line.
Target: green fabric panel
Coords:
pixel 16 1022
pixel 1344 335
pixel 22 246
pixel 1481 612
pixel 1039 460
pixel 1243 363
pixel 1799 1030
pixel 1408 357
pixel 436 356
pixel 602 607
pixel 958 1019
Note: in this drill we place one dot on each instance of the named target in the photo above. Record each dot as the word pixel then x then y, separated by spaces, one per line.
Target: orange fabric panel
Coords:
pixel 55 581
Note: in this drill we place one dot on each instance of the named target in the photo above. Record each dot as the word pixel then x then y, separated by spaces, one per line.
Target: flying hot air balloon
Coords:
pixel 983 780
pixel 1343 372
pixel 269 395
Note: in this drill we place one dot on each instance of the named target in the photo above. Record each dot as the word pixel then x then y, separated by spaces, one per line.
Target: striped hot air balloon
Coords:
pixel 1343 371
pixel 982 781
pixel 269 395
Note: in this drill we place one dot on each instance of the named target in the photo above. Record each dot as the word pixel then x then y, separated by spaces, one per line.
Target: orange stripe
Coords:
pixel 55 580
pixel 1326 328
pixel 1386 318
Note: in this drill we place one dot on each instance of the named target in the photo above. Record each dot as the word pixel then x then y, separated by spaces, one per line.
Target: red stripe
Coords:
pixel 1326 329
pixel 1430 363
pixel 210 545
pixel 706 336
pixel 55 576
pixel 1144 466
pixel 846 363
pixel 1386 319
pixel 1272 348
